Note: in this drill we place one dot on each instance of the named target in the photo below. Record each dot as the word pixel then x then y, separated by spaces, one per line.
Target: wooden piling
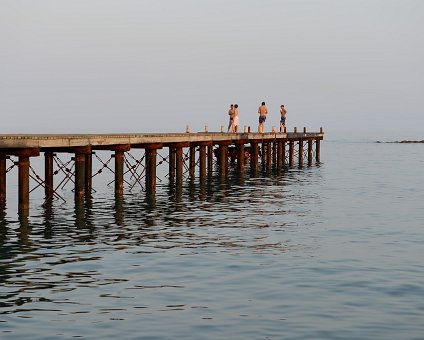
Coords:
pixel 150 166
pixel 269 156
pixel 317 150
pixel 310 152
pixel 179 164
pixel 291 154
pixel 3 181
pixel 240 157
pixel 274 153
pixel 119 172
pixel 172 156
pixel 223 159
pixel 300 153
pixel 202 160
pixel 254 154
pixel 210 159
pixel 23 179
pixel 79 160
pixel 48 174
pixel 192 160
pixel 88 173
pixel 280 155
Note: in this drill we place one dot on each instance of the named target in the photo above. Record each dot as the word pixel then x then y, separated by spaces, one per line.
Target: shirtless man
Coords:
pixel 283 113
pixel 231 113
pixel 236 118
pixel 262 117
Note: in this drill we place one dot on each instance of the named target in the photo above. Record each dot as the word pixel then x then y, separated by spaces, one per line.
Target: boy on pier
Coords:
pixel 262 117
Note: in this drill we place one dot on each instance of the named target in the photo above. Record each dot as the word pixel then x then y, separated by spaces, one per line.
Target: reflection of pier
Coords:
pixel 277 150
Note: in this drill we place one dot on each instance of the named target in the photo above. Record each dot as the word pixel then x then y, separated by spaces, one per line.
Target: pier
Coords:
pixel 198 154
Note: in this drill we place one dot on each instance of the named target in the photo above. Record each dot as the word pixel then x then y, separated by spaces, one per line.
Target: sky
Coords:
pixel 117 66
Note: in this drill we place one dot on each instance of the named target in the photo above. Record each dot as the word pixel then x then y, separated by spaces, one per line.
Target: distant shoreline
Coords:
pixel 404 142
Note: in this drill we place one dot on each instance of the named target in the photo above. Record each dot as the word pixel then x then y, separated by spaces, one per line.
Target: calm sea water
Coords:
pixel 331 251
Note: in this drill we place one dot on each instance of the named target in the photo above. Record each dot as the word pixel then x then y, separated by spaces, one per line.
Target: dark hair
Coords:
pixel 263 103
pixel 236 105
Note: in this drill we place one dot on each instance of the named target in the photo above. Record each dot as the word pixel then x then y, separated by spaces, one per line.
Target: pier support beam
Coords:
pixel 254 154
pixel 210 159
pixel 48 174
pixel 151 155
pixel 3 158
pixel 317 150
pixel 280 155
pixel 240 156
pixel 79 159
pixel 179 164
pixel 269 156
pixel 291 154
pixel 23 178
pixel 88 172
pixel 223 159
pixel 172 163
pixel 192 160
pixel 300 153
pixel 202 156
pixel 119 172
pixel 310 153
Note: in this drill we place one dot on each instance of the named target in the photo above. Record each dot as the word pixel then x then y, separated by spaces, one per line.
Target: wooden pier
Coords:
pixel 273 149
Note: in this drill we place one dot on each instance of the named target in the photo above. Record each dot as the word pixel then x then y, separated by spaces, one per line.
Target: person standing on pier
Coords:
pixel 236 118
pixel 283 113
pixel 263 111
pixel 231 113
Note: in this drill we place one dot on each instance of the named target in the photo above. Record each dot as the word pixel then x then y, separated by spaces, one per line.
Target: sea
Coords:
pixel 330 251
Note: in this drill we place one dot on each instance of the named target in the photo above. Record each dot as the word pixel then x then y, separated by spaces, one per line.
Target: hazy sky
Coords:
pixel 150 66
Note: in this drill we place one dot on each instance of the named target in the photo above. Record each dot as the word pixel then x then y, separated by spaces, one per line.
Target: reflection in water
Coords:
pixel 48 260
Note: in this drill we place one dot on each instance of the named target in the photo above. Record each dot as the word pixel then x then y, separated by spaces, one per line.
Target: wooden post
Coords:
pixel 254 154
pixel 79 160
pixel 202 156
pixel 283 147
pixel 317 150
pixel 263 155
pixel 310 153
pixel 210 159
pixel 291 154
pixel 300 153
pixel 119 172
pixel 274 153
pixel 223 159
pixel 179 164
pixel 171 163
pixel 151 154
pixel 192 160
pixel 3 158
pixel 240 158
pixel 280 155
pixel 48 174
pixel 88 172
pixel 23 179
pixel 269 155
